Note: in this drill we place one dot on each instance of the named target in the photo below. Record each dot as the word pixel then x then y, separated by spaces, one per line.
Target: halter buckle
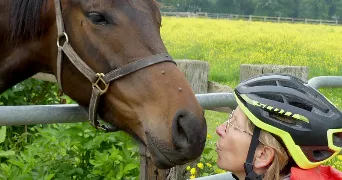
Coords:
pixel 96 83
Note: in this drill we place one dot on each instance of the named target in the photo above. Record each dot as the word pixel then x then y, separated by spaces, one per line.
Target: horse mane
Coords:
pixel 24 18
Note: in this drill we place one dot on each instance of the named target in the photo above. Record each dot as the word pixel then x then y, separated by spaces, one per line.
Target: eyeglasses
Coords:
pixel 229 123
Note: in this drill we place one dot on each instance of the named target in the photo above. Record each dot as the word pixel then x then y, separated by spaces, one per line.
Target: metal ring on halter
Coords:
pixel 59 38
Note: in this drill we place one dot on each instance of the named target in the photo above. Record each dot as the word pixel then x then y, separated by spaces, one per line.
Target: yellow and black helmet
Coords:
pixel 309 125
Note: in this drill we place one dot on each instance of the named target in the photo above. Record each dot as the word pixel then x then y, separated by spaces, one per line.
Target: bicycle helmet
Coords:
pixel 309 125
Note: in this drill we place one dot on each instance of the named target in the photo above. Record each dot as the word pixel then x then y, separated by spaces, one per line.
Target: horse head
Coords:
pixel 112 60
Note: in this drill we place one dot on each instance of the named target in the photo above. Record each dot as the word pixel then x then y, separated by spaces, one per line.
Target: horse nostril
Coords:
pixel 179 131
pixel 189 132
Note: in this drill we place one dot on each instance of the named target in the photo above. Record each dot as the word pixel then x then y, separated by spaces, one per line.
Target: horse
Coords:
pixel 109 57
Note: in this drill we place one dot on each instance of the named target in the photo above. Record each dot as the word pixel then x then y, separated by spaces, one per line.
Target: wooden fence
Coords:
pixel 252 18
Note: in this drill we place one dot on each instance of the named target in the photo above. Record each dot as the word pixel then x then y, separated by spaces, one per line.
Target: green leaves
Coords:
pixel 6 153
pixel 73 151
pixel 129 167
pixel 2 134
pixel 113 161
pixel 2 139
pixel 49 176
pixel 31 91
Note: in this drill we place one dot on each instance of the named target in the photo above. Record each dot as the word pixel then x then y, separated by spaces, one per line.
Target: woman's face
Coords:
pixel 233 144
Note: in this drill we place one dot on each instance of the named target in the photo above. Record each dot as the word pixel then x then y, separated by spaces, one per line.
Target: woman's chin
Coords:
pixel 219 162
pixel 223 164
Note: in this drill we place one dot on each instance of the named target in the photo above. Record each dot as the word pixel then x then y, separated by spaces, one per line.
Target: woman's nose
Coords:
pixel 220 129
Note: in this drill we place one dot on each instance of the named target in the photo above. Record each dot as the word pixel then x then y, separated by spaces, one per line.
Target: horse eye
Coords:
pixel 97 18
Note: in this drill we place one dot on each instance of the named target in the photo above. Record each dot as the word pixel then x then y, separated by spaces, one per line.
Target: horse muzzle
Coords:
pixel 188 136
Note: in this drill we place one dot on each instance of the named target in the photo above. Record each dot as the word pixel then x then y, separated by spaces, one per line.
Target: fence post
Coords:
pixel 147 169
pixel 250 70
pixel 196 73
pixel 278 19
pixel 250 17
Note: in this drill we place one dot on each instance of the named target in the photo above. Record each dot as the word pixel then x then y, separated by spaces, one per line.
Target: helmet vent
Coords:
pixel 263 83
pixel 337 139
pixel 321 155
pixel 317 153
pixel 292 86
pixel 299 104
pixel 273 97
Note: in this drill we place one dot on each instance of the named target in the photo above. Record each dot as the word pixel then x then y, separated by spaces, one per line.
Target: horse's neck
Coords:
pixel 20 62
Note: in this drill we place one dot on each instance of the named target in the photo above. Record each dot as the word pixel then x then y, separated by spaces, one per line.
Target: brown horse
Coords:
pixel 110 55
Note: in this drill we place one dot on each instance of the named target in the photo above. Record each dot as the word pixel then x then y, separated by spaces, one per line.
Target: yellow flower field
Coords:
pixel 226 44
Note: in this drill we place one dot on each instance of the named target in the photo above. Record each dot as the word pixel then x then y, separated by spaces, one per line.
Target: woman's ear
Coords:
pixel 264 156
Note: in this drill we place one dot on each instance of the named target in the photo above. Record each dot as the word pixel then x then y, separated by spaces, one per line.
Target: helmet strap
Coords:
pixel 248 165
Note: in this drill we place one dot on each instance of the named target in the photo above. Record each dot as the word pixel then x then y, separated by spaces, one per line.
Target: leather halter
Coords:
pixel 93 77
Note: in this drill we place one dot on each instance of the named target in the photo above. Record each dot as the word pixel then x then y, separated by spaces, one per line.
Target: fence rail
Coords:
pixel 251 18
pixel 325 82
pixel 69 113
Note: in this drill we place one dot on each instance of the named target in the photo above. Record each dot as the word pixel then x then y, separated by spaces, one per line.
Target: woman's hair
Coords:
pixel 281 157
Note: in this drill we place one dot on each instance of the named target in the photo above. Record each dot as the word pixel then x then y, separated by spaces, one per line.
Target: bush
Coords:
pixel 73 151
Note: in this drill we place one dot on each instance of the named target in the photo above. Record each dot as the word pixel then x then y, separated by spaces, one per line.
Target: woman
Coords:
pixel 281 129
